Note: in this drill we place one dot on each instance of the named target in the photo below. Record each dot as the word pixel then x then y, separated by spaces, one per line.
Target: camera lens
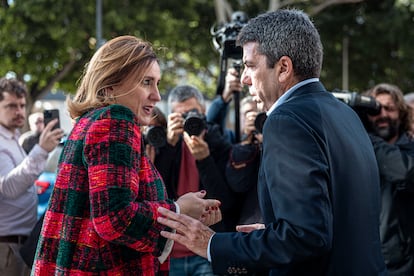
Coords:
pixel 156 136
pixel 194 126
pixel 259 121
pixel 194 122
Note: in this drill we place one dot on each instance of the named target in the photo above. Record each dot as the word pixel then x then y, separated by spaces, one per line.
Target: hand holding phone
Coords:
pixel 50 115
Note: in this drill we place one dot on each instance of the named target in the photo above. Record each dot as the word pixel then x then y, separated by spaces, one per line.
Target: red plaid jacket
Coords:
pixel 102 213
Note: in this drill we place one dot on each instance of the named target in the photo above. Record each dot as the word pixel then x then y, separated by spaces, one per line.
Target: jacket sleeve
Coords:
pixel 217 112
pixel 125 190
pixel 395 163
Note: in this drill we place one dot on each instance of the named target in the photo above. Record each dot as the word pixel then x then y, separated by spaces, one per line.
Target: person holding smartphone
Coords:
pixel 18 171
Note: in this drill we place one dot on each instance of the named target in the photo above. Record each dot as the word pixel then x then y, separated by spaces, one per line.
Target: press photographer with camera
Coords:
pixel 194 158
pixel 244 162
pixel 394 149
pixel 220 106
pixel 155 134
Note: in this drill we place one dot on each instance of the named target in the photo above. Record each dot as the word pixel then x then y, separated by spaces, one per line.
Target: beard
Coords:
pixel 386 133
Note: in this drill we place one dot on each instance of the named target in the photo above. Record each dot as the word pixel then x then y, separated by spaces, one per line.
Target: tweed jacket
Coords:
pixel 101 218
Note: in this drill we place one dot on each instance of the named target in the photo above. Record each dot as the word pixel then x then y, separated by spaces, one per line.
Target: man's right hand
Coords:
pixel 232 85
pixel 175 128
pixel 49 139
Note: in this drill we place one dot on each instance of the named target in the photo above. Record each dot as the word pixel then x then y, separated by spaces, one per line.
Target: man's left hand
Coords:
pixel 197 146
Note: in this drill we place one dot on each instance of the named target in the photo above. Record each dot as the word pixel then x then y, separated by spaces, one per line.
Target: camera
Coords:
pixel 225 37
pixel 155 136
pixel 194 122
pixel 360 103
pixel 259 121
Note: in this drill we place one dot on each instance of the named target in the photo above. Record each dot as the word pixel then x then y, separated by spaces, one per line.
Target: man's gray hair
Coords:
pixel 286 32
pixel 181 93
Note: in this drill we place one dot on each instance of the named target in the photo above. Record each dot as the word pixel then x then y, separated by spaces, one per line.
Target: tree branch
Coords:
pixel 56 78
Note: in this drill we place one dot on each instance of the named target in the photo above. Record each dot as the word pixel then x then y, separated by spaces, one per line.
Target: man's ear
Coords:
pixel 285 68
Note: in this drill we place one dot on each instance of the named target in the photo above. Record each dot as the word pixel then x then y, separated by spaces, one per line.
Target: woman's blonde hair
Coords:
pixel 116 61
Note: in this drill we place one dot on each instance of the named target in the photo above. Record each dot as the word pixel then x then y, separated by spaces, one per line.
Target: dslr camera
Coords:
pixel 155 136
pixel 225 37
pixel 259 121
pixel 360 103
pixel 194 122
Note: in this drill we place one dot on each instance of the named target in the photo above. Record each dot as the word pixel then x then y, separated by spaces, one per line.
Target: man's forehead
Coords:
pixel 11 97
pixel 186 105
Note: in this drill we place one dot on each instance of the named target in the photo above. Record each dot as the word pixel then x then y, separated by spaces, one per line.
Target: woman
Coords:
pixel 101 217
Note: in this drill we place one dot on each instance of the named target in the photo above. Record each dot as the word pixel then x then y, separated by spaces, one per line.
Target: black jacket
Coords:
pixel 396 166
pixel 242 174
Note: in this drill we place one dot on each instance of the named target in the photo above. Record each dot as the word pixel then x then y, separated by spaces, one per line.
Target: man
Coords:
pixel 409 99
pixel 219 107
pixel 30 138
pixel 318 184
pixel 189 163
pixel 394 149
pixel 18 171
pixel 243 165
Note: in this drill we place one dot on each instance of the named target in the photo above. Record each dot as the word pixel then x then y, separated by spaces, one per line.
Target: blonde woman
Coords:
pixel 102 215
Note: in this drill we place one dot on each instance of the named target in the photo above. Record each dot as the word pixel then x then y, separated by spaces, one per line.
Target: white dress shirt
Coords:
pixel 18 171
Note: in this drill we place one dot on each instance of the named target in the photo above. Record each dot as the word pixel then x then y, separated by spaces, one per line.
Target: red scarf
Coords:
pixel 188 181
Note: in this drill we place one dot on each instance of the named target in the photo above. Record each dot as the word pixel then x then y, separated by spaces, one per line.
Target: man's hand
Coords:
pixel 197 146
pixel 232 85
pixel 175 128
pixel 49 139
pixel 189 232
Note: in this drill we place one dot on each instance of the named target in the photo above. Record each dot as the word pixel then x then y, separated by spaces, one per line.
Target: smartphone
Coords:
pixel 50 115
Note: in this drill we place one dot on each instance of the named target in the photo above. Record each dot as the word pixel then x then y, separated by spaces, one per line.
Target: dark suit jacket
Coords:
pixel 318 192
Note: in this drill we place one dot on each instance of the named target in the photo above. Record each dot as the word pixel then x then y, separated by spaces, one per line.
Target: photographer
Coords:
pixel 218 110
pixel 193 162
pixel 394 149
pixel 155 135
pixel 244 162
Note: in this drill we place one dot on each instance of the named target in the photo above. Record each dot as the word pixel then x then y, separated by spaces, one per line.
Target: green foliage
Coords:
pixel 380 36
pixel 48 42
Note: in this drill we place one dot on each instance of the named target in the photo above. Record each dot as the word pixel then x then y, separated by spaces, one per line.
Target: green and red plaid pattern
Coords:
pixel 102 213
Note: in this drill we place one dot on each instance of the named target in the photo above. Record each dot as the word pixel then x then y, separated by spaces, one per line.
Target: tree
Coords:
pixel 380 35
pixel 47 43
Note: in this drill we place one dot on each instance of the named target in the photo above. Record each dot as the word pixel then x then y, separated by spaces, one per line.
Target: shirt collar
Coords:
pixel 8 134
pixel 289 92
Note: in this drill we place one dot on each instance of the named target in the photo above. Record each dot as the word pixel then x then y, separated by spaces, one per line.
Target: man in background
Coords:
pixel 409 99
pixel 191 162
pixel 31 137
pixel 394 150
pixel 18 171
